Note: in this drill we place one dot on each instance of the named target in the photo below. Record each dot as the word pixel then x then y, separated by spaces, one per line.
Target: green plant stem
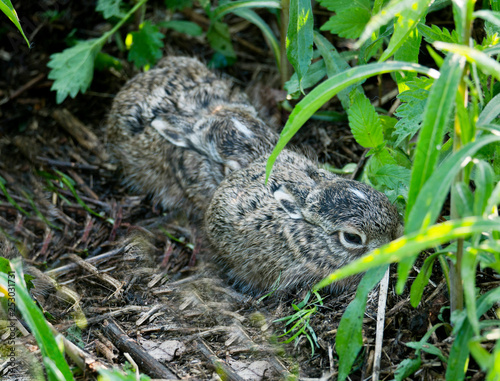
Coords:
pixel 456 284
pixel 108 34
pixel 284 64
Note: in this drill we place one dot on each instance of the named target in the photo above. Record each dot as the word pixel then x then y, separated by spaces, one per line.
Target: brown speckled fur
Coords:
pixel 187 137
pixel 196 110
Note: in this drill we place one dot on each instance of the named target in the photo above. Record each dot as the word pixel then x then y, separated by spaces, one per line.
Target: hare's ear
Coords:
pixel 174 135
pixel 288 202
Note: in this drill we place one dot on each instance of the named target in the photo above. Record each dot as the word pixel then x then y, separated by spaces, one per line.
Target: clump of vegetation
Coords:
pixel 442 141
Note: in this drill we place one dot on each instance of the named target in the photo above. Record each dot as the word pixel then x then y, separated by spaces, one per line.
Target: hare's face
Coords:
pixel 353 215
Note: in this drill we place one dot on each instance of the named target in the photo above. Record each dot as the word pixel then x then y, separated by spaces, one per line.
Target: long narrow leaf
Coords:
pixel 436 115
pixel 490 112
pixel 462 15
pixel 491 16
pixel 412 244
pixel 328 89
pixel 406 22
pixel 349 339
pixel 232 6
pixel 482 60
pixel 299 37
pixel 334 64
pixel 432 196
pixel 459 353
pixel 394 8
pixel 36 321
pixel 9 11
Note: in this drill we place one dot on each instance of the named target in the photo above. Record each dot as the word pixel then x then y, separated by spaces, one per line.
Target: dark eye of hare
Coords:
pixel 353 238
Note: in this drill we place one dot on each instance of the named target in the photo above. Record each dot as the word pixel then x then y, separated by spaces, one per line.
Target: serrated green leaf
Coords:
pixel 147 45
pixel 349 339
pixel 436 115
pixel 342 5
pixel 404 27
pixel 348 23
pixel 329 88
pixel 187 27
pixel 391 176
pixel 299 37
pixel 434 33
pixel 109 8
pixel 411 110
pixel 220 39
pixel 9 11
pixel 73 68
pixel 364 122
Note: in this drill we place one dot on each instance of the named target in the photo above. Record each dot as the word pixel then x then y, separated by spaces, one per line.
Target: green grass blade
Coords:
pixel 468 274
pixel 412 244
pixel 68 181
pixel 9 198
pixel 299 37
pixel 36 321
pixel 491 16
pixel 433 194
pixel 436 115
pixel 418 285
pixel 38 212
pixel 492 51
pixel 9 11
pixel 349 339
pixel 328 89
pixel 459 353
pixel 334 64
pixel 490 112
pixel 405 23
pixel 482 60
pixel 271 39
pixel 394 8
pixel 232 6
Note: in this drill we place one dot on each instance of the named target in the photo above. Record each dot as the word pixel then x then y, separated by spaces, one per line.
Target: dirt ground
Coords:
pixel 139 267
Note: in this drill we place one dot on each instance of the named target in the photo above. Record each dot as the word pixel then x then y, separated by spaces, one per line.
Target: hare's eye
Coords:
pixel 353 238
